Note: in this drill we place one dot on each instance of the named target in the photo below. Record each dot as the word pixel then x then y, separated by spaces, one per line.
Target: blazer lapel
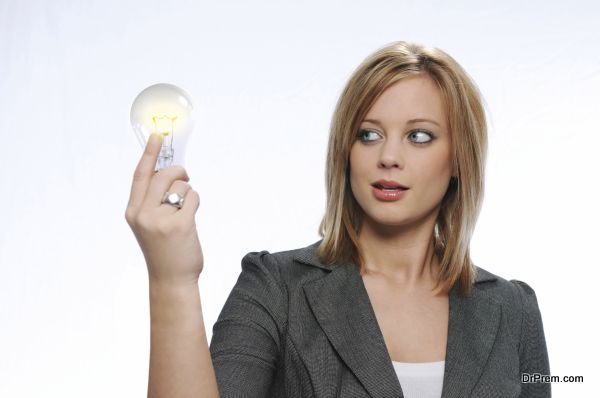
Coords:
pixel 342 307
pixel 472 328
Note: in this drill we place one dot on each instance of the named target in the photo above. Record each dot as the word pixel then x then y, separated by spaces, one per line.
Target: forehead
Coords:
pixel 410 98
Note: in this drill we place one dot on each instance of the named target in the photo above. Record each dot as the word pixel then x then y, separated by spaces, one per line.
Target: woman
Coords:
pixel 388 302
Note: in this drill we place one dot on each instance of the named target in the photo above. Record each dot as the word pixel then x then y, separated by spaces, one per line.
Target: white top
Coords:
pixel 420 379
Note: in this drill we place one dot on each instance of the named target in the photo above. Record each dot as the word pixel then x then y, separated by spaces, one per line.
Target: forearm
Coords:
pixel 180 361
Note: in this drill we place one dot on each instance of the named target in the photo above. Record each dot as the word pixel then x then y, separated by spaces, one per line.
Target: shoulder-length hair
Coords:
pixel 467 124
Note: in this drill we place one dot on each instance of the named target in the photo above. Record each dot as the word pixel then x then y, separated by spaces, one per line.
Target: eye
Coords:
pixel 421 136
pixel 363 132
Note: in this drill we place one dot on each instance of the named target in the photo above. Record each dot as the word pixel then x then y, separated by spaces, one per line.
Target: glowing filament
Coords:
pixel 164 124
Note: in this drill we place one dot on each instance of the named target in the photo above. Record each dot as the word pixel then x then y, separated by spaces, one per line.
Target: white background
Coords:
pixel 265 76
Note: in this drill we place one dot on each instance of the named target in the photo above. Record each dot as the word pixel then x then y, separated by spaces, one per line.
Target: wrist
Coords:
pixel 172 285
pixel 173 305
pixel 170 292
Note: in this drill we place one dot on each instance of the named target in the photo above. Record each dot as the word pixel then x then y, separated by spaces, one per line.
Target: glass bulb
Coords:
pixel 167 110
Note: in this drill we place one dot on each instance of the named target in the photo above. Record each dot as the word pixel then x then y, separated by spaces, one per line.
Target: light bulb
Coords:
pixel 167 110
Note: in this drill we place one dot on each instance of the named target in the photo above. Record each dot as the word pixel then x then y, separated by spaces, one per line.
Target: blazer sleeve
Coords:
pixel 533 353
pixel 245 346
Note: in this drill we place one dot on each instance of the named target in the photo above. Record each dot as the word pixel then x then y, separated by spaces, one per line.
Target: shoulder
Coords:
pixel 516 293
pixel 521 309
pixel 291 266
pixel 517 299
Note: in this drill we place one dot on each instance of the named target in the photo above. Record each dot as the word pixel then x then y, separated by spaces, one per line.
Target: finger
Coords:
pixel 144 171
pixel 161 183
pixel 190 205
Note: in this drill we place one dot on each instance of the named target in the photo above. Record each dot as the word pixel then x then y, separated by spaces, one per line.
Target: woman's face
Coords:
pixel 403 138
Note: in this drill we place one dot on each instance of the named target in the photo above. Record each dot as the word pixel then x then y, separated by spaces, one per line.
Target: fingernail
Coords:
pixel 156 137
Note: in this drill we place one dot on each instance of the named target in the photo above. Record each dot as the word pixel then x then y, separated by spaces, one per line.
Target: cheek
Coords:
pixel 435 174
pixel 437 162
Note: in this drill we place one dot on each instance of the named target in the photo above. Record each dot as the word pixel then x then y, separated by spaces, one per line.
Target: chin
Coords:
pixel 386 219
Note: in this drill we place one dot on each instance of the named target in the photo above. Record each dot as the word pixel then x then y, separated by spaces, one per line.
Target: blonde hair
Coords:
pixel 467 125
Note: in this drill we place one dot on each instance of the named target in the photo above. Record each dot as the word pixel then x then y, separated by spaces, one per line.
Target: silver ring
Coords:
pixel 173 198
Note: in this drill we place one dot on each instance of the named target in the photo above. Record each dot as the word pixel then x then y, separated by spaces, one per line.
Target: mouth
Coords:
pixel 389 189
pixel 388 194
pixel 389 185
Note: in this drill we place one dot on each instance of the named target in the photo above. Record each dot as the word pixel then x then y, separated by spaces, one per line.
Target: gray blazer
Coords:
pixel 293 327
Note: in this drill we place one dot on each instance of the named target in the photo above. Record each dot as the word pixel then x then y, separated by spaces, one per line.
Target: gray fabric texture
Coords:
pixel 293 327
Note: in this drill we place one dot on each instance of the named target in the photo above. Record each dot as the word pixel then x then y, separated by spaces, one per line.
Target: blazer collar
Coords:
pixel 342 307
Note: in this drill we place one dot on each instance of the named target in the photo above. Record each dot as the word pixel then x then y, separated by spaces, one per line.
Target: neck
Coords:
pixel 404 255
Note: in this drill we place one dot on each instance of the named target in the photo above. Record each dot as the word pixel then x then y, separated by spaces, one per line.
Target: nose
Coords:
pixel 391 154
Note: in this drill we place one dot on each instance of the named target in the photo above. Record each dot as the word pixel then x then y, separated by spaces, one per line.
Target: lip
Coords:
pixel 389 184
pixel 389 195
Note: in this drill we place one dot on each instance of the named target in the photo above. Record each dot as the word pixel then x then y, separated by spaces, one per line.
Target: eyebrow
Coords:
pixel 411 121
